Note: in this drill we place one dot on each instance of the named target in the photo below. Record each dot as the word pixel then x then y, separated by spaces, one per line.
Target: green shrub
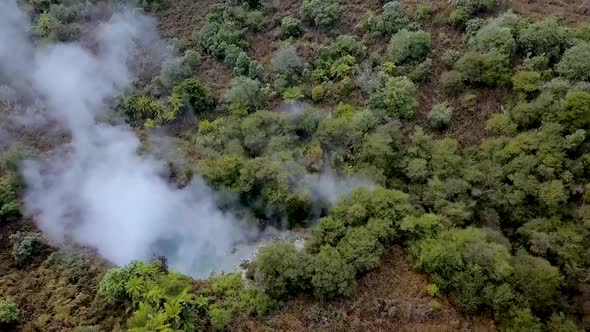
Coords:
pixel 477 5
pixel 422 71
pixel 281 270
pixel 576 110
pixel 449 57
pixel 399 98
pixel 25 246
pixel 424 12
pixel 191 94
pixel 318 93
pixel 526 81
pixel 522 320
pixel 435 305
pixel 500 124
pixel 491 69
pixel 112 285
pixel 574 64
pixel 546 37
pixel 324 14
pixel 493 38
pixel 291 27
pixel 9 205
pixel 459 17
pixel 255 20
pixel 361 249
pixel 452 82
pixel 220 318
pixel 243 96
pixel 409 46
pixel 432 290
pixel 9 313
pixel 293 93
pixel 287 63
pixel 332 275
pixel 440 115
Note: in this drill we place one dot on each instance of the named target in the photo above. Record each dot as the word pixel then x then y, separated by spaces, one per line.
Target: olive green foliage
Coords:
pixel 574 65
pixel 474 6
pixel 459 17
pixel 490 69
pixel 243 96
pixel 493 38
pixel 332 275
pixel 351 240
pixel 546 37
pixel 61 22
pixel 324 14
pixel 391 21
pixel 9 313
pixel 452 82
pixel 440 115
pixel 159 299
pixel 398 98
pixel 281 269
pixel 26 246
pixel 409 46
pixel 223 37
pixel 526 81
pixel 291 27
pixel 423 12
pixel 9 204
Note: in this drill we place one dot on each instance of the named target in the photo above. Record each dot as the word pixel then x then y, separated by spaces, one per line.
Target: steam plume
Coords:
pixel 97 190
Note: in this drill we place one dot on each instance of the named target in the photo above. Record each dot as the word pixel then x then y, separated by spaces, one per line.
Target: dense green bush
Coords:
pixel 400 97
pixel 459 17
pixel 9 205
pixel 324 14
pixel 291 27
pixel 281 270
pixel 526 81
pixel 546 37
pixel 574 65
pixel 476 5
pixel 25 246
pixel 576 110
pixel 191 94
pixel 440 115
pixel 243 96
pixel 423 12
pixel 9 313
pixel 491 69
pixel 409 46
pixel 332 275
pixel 493 38
pixel 361 249
pixel 452 82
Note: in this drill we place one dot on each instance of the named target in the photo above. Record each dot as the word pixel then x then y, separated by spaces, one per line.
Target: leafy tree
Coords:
pixel 361 249
pixel 9 312
pixel 398 98
pixel 243 96
pixel 526 81
pixel 193 94
pixel 332 275
pixel 576 110
pixel 546 37
pixel 409 46
pixel 281 270
pixel 328 231
pixel 324 14
pixel 25 246
pixel 291 27
pixel 440 115
pixel 573 64
pixel 536 279
pixel 452 82
pixel 493 38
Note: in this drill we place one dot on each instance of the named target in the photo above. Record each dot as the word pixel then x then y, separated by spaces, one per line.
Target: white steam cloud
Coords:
pixel 97 190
